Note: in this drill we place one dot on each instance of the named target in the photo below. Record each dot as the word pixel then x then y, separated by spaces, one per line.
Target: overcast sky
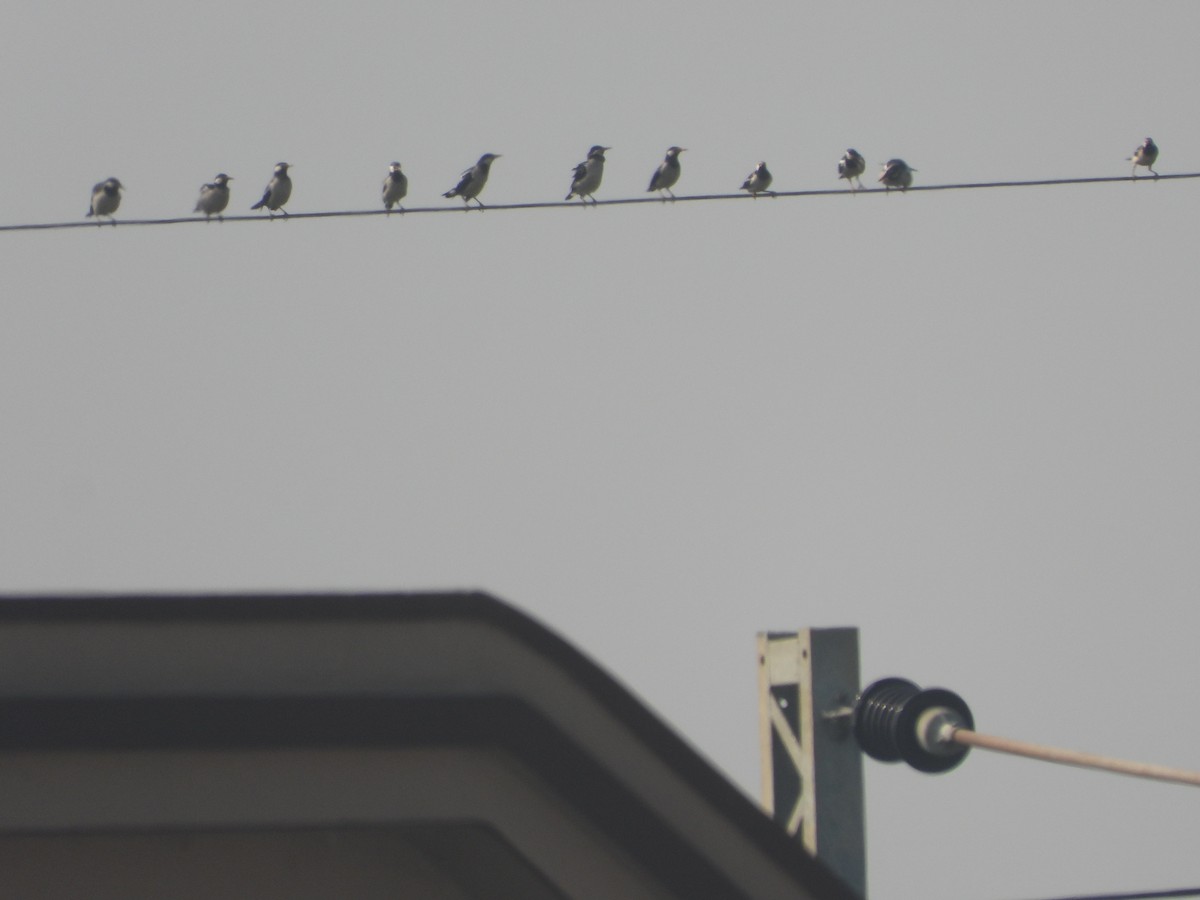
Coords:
pixel 964 422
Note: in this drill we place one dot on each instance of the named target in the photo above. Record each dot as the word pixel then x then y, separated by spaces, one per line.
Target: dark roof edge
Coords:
pixel 679 755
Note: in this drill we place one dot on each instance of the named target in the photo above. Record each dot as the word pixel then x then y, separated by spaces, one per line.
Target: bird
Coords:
pixel 473 181
pixel 896 174
pixel 395 187
pixel 214 197
pixel 279 189
pixel 758 181
pixel 1145 155
pixel 106 197
pixel 667 173
pixel 851 166
pixel 588 174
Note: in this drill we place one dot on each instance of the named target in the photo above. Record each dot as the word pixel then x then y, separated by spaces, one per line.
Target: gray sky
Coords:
pixel 964 422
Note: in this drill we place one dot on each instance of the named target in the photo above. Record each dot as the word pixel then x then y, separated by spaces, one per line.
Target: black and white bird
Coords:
pixel 851 166
pixel 279 189
pixel 214 197
pixel 106 197
pixel 473 181
pixel 896 174
pixel 758 181
pixel 667 173
pixel 395 187
pixel 1145 155
pixel 588 174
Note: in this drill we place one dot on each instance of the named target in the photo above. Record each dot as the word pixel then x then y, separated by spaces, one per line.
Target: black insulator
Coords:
pixel 895 720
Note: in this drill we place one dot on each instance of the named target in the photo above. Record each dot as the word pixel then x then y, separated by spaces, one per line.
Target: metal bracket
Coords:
pixel 812 782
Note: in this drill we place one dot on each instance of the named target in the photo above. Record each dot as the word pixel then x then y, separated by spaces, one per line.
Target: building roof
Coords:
pixel 446 743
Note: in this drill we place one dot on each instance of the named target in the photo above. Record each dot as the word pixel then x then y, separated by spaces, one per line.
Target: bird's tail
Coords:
pixel 450 193
pixel 88 215
pixel 263 202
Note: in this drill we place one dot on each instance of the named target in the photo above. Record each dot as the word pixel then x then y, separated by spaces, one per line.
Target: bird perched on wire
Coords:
pixel 395 187
pixel 214 197
pixel 588 174
pixel 851 166
pixel 758 181
pixel 279 189
pixel 667 173
pixel 896 174
pixel 1145 155
pixel 106 197
pixel 473 180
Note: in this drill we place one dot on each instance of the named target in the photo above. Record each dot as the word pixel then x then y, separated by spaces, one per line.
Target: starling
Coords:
pixel 214 197
pixel 279 189
pixel 106 197
pixel 758 181
pixel 473 181
pixel 896 174
pixel 395 187
pixel 667 173
pixel 851 166
pixel 588 174
pixel 1145 155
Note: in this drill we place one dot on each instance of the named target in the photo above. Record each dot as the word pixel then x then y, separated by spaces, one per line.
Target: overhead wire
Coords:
pixel 970 738
pixel 1138 895
pixel 766 197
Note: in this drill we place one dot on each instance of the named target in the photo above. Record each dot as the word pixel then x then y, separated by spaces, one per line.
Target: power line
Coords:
pixel 1142 895
pixel 560 204
pixel 970 738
